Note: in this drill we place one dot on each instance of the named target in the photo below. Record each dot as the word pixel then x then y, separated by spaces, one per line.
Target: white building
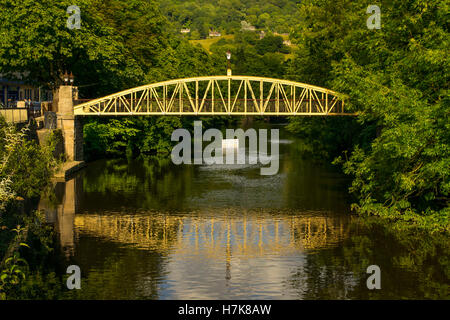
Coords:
pixel 214 34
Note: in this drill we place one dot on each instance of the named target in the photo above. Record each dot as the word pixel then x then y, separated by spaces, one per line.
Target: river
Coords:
pixel 148 229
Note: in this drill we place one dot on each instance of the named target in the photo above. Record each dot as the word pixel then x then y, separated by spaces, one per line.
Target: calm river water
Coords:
pixel 147 229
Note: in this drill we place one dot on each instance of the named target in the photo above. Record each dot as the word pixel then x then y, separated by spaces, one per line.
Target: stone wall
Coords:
pixel 71 127
pixel 79 139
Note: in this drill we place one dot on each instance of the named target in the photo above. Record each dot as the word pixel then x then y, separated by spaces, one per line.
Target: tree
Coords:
pixel 46 48
pixel 269 44
pixel 397 79
pixel 118 44
pixel 25 167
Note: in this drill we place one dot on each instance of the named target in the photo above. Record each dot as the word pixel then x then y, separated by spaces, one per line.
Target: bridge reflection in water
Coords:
pixel 245 232
pixel 249 235
pixel 141 229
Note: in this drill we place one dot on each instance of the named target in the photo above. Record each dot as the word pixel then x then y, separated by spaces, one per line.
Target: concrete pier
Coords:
pixel 68 169
pixel 71 127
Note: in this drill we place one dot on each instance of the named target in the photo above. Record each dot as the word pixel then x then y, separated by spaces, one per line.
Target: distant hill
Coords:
pixel 226 16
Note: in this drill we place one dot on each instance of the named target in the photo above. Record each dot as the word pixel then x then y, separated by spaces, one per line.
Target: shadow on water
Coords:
pixel 147 229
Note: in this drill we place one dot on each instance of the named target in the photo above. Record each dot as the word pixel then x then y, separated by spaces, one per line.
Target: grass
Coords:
pixel 207 43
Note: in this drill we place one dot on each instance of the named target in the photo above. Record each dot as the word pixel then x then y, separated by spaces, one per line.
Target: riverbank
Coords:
pixel 26 169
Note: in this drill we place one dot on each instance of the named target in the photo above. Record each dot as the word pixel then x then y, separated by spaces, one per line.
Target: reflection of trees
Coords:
pixel 311 187
pixel 142 184
pixel 111 271
pixel 413 266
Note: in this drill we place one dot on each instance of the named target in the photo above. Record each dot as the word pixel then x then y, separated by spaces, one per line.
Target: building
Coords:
pixel 214 34
pixel 12 91
pixel 186 30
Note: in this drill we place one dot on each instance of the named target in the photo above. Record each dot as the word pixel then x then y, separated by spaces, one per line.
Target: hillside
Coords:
pixel 225 16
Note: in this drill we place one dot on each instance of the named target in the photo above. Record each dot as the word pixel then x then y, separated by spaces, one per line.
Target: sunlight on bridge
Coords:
pixel 219 95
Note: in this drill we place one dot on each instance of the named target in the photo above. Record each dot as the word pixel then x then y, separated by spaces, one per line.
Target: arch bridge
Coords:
pixel 219 95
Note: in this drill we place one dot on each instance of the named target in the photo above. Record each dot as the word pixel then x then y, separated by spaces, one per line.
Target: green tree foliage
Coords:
pixel 25 167
pixel 43 50
pixel 326 137
pixel 120 44
pixel 252 56
pixel 397 79
pixel 129 136
pixel 270 44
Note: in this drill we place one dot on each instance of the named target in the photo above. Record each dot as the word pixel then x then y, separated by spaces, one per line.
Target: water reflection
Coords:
pixel 248 235
pixel 61 212
pixel 145 229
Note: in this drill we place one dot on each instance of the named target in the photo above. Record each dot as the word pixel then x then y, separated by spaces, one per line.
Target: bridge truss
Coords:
pixel 219 95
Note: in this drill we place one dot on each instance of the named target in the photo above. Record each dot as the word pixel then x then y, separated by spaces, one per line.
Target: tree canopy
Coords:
pixel 120 44
pixel 397 78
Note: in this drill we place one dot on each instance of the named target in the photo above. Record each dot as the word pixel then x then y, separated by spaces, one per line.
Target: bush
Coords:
pixel 25 167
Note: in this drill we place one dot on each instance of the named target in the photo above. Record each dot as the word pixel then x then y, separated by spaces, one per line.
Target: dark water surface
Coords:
pixel 147 229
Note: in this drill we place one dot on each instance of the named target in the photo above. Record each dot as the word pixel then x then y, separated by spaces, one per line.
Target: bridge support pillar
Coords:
pixel 70 125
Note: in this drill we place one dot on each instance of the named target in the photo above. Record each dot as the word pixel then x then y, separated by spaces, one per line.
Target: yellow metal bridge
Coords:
pixel 219 95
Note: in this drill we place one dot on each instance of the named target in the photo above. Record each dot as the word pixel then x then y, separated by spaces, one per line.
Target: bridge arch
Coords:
pixel 219 95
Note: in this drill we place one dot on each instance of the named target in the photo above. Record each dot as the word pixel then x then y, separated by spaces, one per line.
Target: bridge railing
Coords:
pixel 307 106
pixel 15 115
